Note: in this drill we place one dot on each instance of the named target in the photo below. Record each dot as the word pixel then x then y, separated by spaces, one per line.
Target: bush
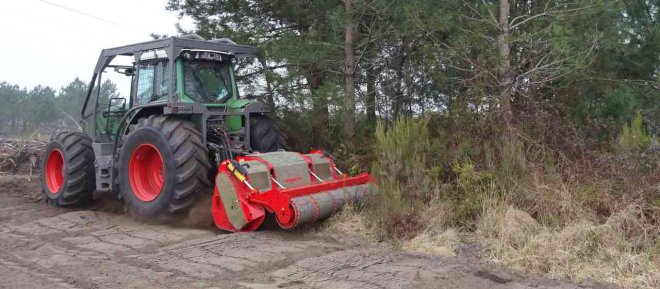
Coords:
pixel 634 136
pixel 404 168
pixel 637 147
pixel 415 172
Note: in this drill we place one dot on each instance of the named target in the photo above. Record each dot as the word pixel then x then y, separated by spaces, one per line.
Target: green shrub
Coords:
pixel 478 183
pixel 404 168
pixel 467 195
pixel 637 147
pixel 634 136
pixel 415 173
pixel 404 154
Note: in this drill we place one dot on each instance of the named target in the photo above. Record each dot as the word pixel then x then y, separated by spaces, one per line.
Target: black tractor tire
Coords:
pixel 265 136
pixel 184 166
pixel 67 170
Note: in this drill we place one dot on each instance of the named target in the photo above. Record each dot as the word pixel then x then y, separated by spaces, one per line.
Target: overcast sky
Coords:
pixel 51 42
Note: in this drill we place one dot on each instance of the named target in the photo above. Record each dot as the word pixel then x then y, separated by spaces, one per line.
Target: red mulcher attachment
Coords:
pixel 299 189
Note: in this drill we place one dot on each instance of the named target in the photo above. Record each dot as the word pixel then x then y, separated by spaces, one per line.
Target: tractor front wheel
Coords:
pixel 163 166
pixel 67 176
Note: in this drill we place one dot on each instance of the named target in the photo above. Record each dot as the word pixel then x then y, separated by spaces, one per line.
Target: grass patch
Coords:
pixel 350 221
pixel 577 251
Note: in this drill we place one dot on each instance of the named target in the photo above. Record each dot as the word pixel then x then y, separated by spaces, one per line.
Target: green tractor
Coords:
pixel 160 148
pixel 184 133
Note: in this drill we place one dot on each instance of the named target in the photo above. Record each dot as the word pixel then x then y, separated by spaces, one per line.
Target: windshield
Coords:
pixel 207 81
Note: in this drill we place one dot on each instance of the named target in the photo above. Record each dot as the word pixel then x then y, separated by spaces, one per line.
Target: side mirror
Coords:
pixel 125 70
pixel 116 107
pixel 118 103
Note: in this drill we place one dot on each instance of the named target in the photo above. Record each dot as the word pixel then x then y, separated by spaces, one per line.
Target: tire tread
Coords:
pixel 80 181
pixel 265 136
pixel 190 157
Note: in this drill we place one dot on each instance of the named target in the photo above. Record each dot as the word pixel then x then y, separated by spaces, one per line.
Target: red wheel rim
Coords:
pixel 54 171
pixel 287 220
pixel 146 173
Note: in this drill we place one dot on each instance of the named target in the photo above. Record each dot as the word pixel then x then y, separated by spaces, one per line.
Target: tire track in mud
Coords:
pixel 38 279
pixel 236 257
pixel 82 234
pixel 52 251
pixel 57 248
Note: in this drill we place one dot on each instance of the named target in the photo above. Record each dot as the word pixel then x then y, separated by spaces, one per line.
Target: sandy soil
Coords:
pixel 101 247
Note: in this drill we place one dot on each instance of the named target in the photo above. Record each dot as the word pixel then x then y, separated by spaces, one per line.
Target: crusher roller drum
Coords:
pixel 298 188
pixel 319 206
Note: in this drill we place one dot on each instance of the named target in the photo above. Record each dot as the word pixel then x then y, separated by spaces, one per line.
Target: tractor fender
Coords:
pixel 248 106
pixel 141 112
pixel 257 107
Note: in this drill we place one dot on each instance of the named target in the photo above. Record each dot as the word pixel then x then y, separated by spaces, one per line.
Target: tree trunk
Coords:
pixel 315 78
pixel 504 69
pixel 371 96
pixel 401 60
pixel 349 98
pixel 270 99
pixel 398 95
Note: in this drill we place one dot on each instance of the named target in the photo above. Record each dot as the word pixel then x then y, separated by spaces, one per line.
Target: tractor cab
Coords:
pixel 202 76
pixel 178 75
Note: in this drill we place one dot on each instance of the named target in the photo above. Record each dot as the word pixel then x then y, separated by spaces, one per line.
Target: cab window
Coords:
pixel 208 81
pixel 153 81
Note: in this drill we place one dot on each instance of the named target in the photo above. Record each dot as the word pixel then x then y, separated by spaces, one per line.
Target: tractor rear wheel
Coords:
pixel 163 166
pixel 265 136
pixel 67 176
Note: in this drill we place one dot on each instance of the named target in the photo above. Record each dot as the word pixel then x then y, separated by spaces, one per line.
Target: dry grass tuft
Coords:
pixel 639 224
pixel 508 226
pixel 552 200
pixel 443 243
pixel 350 222
pixel 577 251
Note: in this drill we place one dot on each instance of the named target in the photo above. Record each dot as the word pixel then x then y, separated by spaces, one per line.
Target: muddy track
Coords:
pixel 99 247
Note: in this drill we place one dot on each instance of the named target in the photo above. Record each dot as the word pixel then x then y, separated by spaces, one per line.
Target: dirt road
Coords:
pixel 46 247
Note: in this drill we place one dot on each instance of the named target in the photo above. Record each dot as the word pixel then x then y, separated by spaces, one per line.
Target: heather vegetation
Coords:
pixel 522 204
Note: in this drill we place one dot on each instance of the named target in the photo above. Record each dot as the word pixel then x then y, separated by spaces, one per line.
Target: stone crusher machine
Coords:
pixel 185 133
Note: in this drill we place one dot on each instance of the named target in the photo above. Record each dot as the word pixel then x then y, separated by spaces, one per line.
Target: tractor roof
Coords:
pixel 174 45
